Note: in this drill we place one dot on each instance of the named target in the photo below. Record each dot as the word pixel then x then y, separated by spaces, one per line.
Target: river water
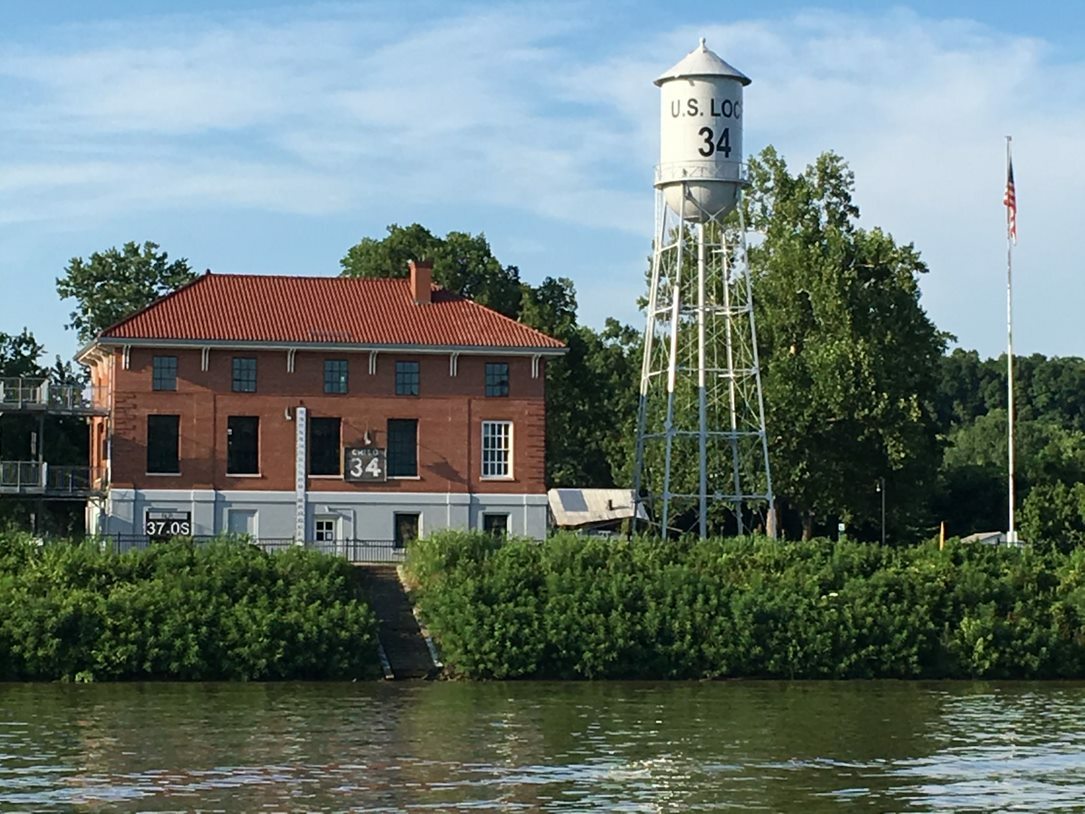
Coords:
pixel 539 746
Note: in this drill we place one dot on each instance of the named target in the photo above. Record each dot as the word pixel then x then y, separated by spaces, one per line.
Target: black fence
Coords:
pixel 355 551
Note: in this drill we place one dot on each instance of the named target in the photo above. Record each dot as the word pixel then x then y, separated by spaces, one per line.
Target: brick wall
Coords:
pixel 449 410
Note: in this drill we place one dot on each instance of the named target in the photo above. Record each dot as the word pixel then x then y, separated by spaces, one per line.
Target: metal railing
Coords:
pixel 42 394
pixel 32 477
pixel 354 551
pixel 21 476
pixel 674 172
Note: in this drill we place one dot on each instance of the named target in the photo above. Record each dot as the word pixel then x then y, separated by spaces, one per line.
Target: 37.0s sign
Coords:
pixel 365 464
pixel 162 524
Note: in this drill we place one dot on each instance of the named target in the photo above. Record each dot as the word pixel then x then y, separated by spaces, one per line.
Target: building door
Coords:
pixel 241 522
pixel 406 529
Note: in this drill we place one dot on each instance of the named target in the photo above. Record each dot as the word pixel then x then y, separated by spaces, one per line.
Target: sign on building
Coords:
pixel 365 464
pixel 164 524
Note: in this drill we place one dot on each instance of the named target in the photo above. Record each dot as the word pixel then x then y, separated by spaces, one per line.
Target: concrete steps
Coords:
pixel 405 648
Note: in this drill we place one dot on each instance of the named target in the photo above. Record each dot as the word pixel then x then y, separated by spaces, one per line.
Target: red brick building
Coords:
pixel 318 409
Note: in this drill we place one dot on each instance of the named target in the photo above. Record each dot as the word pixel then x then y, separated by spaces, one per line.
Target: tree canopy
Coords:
pixel 462 263
pixel 849 357
pixel 111 285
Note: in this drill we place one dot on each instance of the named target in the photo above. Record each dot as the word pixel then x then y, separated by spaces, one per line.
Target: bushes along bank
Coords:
pixel 588 608
pixel 220 610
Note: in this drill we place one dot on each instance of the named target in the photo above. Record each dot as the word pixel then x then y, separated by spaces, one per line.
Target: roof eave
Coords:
pixel 506 350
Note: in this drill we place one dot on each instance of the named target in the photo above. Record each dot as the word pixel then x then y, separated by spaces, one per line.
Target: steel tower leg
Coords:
pixel 702 396
pixel 672 362
pixel 736 471
pixel 646 361
pixel 770 496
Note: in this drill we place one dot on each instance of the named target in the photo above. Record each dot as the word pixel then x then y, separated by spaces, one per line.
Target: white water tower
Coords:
pixel 700 136
pixel 701 436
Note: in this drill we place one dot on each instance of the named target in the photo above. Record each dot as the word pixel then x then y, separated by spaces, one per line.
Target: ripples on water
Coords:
pixel 622 747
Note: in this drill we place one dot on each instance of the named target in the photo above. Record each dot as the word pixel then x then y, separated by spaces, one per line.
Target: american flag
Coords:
pixel 1010 200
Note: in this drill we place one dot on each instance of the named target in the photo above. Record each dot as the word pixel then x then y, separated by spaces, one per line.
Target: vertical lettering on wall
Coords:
pixel 300 424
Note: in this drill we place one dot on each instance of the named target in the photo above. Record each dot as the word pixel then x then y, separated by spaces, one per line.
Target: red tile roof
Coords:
pixel 323 310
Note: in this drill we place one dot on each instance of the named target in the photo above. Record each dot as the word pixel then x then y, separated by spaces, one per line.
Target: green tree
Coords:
pixel 968 388
pixel 850 359
pixel 591 407
pixel 462 263
pixel 973 491
pixel 1053 516
pixel 111 285
pixel 20 355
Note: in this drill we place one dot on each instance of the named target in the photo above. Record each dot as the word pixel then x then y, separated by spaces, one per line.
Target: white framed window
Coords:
pixel 496 449
pixel 325 529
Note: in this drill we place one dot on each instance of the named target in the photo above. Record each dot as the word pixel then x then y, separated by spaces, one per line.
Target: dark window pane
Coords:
pixel 244 380
pixel 164 373
pixel 497 524
pixel 335 375
pixel 497 378
pixel 163 440
pixel 406 529
pixel 242 445
pixel 324 457
pixel 407 377
pixel 402 447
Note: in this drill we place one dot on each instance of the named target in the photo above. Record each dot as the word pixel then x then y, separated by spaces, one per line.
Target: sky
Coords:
pixel 252 136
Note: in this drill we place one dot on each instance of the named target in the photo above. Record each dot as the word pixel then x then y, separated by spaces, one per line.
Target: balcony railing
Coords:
pixel 354 551
pixel 33 478
pixel 42 394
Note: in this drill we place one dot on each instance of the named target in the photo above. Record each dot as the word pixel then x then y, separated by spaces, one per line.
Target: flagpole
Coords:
pixel 1011 536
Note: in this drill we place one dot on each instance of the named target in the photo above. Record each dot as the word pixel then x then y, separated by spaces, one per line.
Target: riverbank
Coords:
pixel 209 611
pixel 576 607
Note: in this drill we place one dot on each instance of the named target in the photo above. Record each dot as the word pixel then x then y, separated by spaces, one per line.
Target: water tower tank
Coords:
pixel 701 135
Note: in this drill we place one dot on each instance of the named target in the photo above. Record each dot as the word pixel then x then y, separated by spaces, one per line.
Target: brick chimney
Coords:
pixel 421 280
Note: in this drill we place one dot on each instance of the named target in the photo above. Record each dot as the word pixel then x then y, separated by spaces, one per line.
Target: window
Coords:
pixel 497 449
pixel 325 529
pixel 402 447
pixel 495 524
pixel 242 445
pixel 497 378
pixel 244 374
pixel 163 440
pixel 324 457
pixel 335 375
pixel 164 373
pixel 407 378
pixel 406 529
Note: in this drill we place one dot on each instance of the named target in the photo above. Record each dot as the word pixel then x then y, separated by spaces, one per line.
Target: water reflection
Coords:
pixel 628 747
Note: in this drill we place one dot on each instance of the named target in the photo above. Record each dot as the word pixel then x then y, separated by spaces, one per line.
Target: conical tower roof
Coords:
pixel 702 62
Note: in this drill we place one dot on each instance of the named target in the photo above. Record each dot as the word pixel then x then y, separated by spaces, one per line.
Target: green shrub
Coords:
pixel 221 610
pixel 588 608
